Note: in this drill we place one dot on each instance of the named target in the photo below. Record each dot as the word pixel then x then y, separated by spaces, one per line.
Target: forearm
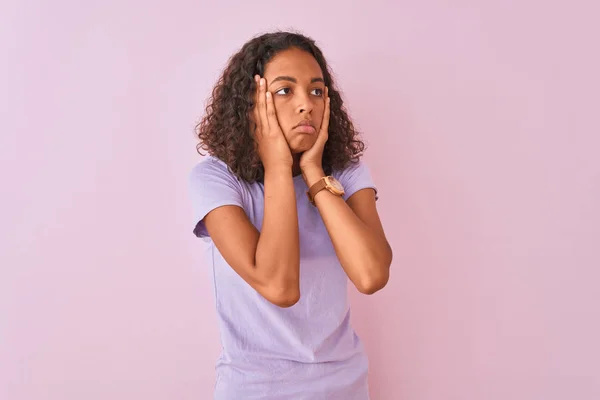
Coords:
pixel 364 253
pixel 277 251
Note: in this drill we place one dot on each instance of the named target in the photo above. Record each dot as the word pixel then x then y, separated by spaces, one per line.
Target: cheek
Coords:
pixel 318 112
pixel 284 115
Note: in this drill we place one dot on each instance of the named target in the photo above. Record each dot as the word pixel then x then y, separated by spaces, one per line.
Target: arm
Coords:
pixel 356 233
pixel 353 226
pixel 270 260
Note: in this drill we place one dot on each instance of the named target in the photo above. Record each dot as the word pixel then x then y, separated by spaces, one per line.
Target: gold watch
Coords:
pixel 327 182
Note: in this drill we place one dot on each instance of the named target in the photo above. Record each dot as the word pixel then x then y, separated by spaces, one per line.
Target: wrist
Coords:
pixel 279 169
pixel 312 174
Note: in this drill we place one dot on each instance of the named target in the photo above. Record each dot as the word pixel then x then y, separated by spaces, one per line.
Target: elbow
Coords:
pixel 283 297
pixel 287 302
pixel 377 277
pixel 280 288
pixel 372 285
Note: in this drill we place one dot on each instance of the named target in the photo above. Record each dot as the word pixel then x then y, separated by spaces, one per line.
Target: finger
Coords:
pixel 255 112
pixel 325 122
pixel 256 121
pixel 271 114
pixel 262 109
pixel 324 131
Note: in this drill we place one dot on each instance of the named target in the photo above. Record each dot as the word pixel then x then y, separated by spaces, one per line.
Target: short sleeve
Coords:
pixel 211 185
pixel 355 177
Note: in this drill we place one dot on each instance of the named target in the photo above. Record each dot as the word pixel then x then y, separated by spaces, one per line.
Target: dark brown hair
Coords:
pixel 225 129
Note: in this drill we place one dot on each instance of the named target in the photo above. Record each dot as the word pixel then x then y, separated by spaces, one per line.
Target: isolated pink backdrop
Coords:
pixel 482 122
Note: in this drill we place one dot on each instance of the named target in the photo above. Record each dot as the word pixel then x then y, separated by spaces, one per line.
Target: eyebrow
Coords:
pixel 294 80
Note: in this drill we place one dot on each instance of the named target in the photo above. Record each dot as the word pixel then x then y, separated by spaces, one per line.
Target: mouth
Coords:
pixel 306 126
pixel 304 123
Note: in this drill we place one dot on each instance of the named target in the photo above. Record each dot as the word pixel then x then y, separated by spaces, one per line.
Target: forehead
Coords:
pixel 295 63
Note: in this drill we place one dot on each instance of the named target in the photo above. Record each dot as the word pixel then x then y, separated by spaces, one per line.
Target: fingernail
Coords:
pixel 262 82
pixel 256 78
pixel 268 95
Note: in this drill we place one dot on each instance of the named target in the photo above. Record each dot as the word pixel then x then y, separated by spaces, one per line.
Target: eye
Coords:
pixel 279 92
pixel 317 92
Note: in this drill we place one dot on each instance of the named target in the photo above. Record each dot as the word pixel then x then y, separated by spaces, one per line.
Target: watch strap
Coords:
pixel 316 188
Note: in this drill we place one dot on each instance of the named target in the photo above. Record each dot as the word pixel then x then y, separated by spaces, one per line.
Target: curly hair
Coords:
pixel 225 130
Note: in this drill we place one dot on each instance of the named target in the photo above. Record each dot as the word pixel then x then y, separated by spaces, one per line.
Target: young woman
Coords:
pixel 288 211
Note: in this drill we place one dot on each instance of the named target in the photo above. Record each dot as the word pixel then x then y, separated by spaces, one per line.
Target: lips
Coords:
pixel 305 123
pixel 305 127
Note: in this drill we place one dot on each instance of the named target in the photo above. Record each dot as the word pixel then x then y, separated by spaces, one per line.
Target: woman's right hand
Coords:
pixel 273 148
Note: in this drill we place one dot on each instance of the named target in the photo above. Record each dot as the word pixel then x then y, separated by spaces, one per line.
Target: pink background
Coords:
pixel 482 121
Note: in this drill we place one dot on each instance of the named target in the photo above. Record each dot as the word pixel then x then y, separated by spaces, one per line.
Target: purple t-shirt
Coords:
pixel 307 351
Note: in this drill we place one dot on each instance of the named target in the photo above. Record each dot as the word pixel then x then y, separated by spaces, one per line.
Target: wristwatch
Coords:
pixel 327 182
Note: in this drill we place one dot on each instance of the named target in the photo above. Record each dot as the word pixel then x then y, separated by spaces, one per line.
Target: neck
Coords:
pixel 296 165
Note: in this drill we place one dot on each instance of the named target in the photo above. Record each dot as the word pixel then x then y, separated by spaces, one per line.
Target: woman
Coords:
pixel 288 211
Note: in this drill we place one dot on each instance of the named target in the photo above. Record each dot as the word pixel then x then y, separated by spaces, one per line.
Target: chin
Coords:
pixel 302 145
pixel 299 150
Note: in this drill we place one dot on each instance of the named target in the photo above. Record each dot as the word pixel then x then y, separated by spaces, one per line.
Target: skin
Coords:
pixel 296 81
pixel 291 91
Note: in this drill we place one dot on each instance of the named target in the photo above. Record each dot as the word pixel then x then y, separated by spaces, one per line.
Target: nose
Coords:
pixel 304 103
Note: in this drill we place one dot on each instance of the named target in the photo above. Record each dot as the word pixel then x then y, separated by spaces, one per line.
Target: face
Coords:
pixel 296 81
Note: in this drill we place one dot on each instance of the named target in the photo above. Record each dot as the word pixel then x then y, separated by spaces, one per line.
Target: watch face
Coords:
pixel 335 184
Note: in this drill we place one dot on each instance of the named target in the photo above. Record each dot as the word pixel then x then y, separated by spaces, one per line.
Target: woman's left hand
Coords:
pixel 312 159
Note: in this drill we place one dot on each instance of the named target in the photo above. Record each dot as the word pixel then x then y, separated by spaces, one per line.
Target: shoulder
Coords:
pixel 211 170
pixel 354 177
pixel 209 166
pixel 354 170
pixel 212 185
pixel 212 178
pixel 351 168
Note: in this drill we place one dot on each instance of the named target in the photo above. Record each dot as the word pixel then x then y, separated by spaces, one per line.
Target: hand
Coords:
pixel 273 148
pixel 312 159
